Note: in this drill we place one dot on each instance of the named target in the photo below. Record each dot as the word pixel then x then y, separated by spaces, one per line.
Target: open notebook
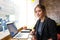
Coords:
pixel 14 32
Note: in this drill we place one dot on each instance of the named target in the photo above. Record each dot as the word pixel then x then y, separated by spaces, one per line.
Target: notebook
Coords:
pixel 14 32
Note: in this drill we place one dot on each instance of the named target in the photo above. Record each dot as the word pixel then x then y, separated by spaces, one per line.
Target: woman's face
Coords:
pixel 39 12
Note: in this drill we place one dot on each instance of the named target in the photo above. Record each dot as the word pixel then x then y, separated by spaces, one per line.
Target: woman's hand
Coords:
pixel 50 39
pixel 33 37
pixel 32 32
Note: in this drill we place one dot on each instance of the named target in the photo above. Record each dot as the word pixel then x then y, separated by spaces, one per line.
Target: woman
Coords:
pixel 45 28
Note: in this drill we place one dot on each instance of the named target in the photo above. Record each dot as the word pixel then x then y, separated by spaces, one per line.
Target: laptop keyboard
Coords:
pixel 23 34
pixel 18 35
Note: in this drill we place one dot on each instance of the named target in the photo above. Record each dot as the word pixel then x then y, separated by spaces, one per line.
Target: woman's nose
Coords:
pixel 37 13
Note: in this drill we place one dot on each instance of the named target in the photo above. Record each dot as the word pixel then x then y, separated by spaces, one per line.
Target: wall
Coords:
pixel 53 9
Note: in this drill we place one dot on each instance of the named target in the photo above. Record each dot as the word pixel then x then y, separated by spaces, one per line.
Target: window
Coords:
pixel 23 10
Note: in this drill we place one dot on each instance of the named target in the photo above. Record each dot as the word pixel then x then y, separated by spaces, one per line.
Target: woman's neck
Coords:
pixel 42 19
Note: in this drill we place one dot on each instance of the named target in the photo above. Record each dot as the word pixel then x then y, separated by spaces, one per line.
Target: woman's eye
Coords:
pixel 39 10
pixel 35 11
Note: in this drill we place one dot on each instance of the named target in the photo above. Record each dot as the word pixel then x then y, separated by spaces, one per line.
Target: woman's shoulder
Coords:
pixel 51 20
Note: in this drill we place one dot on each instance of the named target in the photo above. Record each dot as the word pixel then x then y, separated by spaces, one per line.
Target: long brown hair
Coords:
pixel 42 7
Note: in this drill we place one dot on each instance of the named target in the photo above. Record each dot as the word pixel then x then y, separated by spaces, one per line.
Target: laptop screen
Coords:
pixel 12 29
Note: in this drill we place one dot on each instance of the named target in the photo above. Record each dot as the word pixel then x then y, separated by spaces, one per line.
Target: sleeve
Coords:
pixel 52 29
pixel 36 24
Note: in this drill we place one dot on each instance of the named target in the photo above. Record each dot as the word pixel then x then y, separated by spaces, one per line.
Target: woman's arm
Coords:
pixel 52 30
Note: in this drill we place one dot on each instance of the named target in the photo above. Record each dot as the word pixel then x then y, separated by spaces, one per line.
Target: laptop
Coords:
pixel 14 32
